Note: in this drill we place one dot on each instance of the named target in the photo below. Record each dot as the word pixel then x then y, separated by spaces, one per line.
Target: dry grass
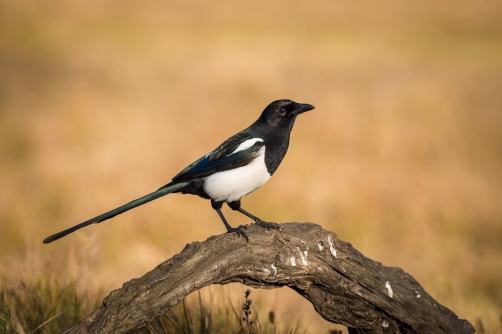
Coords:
pixel 103 101
pixel 205 317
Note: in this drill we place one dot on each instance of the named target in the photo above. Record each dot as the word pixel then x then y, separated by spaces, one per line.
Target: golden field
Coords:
pixel 102 102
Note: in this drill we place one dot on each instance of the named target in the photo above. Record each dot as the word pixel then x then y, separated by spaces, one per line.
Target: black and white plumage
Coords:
pixel 236 168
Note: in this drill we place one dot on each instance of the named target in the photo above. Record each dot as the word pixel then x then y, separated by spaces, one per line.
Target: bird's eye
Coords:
pixel 282 112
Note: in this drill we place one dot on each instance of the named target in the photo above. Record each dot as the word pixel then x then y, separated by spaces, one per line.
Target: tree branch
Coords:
pixel 344 286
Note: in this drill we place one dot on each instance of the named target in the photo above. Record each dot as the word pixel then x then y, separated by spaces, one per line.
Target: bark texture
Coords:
pixel 344 286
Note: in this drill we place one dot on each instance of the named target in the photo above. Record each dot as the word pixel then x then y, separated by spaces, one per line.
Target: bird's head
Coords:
pixel 282 113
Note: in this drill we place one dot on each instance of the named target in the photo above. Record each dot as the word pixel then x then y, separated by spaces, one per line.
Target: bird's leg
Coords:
pixel 260 222
pixel 239 230
pixel 237 207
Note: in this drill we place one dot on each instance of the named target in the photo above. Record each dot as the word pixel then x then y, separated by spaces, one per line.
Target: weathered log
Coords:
pixel 344 286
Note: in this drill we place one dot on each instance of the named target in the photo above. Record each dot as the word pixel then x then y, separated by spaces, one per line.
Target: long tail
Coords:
pixel 167 189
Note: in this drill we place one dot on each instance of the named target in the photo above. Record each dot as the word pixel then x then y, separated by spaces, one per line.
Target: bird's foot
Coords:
pixel 268 226
pixel 239 230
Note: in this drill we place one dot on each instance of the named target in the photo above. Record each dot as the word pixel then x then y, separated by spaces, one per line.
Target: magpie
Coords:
pixel 236 168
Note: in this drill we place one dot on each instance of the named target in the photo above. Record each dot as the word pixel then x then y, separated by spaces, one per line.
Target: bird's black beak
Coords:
pixel 302 107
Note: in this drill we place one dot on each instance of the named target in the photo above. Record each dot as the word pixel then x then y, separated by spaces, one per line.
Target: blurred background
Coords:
pixel 102 102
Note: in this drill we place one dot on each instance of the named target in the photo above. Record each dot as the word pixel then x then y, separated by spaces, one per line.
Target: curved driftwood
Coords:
pixel 344 286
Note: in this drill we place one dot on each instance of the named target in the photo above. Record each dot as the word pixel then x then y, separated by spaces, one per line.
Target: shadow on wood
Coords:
pixel 344 286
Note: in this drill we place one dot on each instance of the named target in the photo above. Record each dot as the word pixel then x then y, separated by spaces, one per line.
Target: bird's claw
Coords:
pixel 268 226
pixel 240 231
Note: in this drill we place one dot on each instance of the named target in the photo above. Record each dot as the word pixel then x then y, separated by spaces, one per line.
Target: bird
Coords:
pixel 239 166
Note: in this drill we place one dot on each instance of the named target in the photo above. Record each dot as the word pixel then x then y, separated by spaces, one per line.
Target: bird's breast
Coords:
pixel 232 185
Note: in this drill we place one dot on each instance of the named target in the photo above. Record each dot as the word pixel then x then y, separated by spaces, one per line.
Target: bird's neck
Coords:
pixel 276 144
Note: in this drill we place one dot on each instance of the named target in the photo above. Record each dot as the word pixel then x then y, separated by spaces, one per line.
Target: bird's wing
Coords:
pixel 229 146
pixel 223 158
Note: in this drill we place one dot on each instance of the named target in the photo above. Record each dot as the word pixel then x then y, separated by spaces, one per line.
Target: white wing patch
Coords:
pixel 247 144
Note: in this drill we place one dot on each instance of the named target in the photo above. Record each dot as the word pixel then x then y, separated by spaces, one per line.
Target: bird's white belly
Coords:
pixel 232 185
